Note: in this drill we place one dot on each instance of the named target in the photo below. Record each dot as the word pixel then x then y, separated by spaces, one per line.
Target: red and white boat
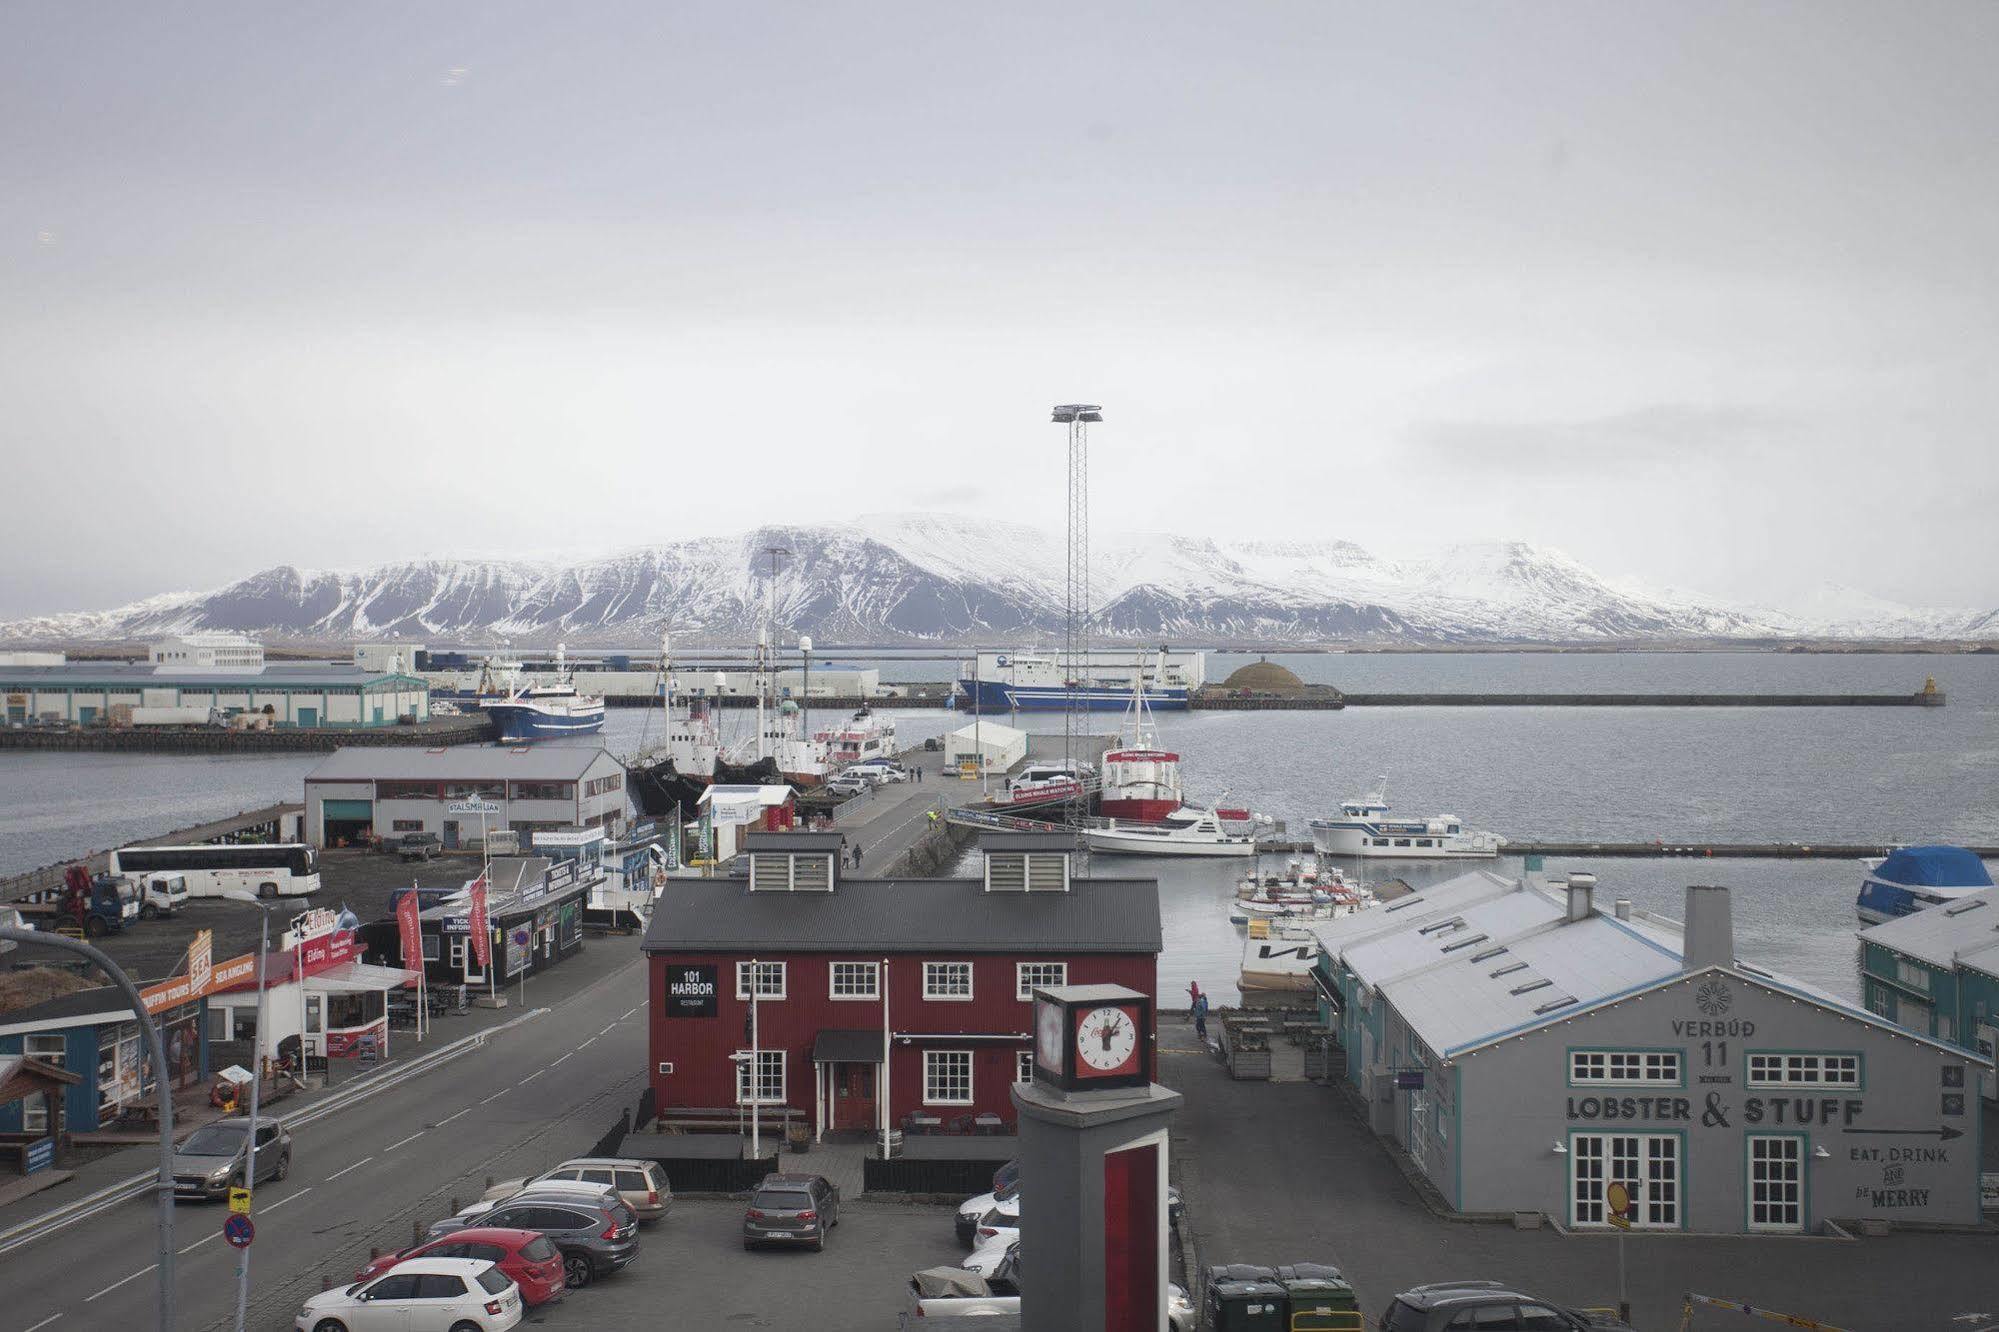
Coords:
pixel 1141 781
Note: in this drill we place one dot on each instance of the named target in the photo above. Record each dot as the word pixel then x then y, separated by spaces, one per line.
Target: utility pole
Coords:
pixel 1078 417
pixel 163 1085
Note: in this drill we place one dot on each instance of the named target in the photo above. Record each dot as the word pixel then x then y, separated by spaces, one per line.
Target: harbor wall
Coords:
pixel 219 740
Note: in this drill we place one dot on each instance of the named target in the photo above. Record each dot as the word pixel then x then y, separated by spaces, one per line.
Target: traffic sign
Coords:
pixel 1618 1198
pixel 239 1201
pixel 238 1231
pixel 1620 1220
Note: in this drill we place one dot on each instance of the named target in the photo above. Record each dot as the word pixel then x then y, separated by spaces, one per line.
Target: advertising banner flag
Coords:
pixel 409 932
pixel 482 934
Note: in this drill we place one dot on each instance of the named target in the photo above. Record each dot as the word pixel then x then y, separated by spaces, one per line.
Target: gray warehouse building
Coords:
pixel 1527 1049
pixel 387 792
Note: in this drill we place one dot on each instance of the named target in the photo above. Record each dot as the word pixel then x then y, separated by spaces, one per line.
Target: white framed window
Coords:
pixel 947 1077
pixel 431 944
pixel 855 980
pixel 1023 1065
pixel 1625 1068
pixel 768 1075
pixel 947 980
pixel 50 1050
pixel 1779 1069
pixel 1914 976
pixel 1031 976
pixel 1776 1182
pixel 1647 1164
pixel 769 980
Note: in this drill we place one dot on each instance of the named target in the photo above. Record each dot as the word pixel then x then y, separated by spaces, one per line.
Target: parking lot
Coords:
pixel 693 1272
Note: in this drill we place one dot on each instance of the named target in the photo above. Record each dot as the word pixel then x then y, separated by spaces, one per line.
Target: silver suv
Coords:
pixel 215 1156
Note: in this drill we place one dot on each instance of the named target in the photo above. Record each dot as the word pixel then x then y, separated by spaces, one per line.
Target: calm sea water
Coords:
pixel 1717 775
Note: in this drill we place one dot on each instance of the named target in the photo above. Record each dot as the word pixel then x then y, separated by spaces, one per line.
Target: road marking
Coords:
pixel 628 1013
pixel 203 1240
pixel 411 1138
pixel 448 1118
pixel 344 1169
pixel 127 1281
pixel 607 1030
pixel 586 1045
pixel 44 1323
pixel 289 1198
pixel 563 1057
pixel 496 1095
pixel 532 1076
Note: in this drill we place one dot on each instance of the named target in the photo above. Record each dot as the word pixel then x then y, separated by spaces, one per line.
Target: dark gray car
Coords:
pixel 1486 1306
pixel 597 1236
pixel 792 1209
pixel 215 1156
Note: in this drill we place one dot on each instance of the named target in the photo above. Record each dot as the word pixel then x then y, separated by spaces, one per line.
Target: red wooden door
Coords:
pixel 854 1096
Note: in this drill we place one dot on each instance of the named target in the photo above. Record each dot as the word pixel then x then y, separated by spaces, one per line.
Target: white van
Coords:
pixel 161 894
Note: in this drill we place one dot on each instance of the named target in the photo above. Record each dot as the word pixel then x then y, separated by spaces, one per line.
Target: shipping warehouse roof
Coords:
pixel 1963 930
pixel 459 763
pixel 135 676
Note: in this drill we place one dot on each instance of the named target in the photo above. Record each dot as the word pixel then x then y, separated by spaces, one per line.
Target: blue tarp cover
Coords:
pixel 1934 867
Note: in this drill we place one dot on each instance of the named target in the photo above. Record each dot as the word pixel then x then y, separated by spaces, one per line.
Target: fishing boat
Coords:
pixel 1185 832
pixel 1277 959
pixel 1916 878
pixel 538 711
pixel 1305 891
pixel 865 735
pixel 1364 831
pixel 1141 781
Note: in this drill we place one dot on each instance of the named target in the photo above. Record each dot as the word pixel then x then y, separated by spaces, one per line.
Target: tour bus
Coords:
pixel 285 870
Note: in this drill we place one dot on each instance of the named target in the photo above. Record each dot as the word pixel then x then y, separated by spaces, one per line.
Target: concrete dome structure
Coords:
pixel 1264 677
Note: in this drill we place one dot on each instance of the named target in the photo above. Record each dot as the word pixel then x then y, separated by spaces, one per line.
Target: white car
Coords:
pixel 421 1295
pixel 974 1210
pixel 880 770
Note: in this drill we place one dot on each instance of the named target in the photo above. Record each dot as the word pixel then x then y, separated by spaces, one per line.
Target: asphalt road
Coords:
pixel 530 1096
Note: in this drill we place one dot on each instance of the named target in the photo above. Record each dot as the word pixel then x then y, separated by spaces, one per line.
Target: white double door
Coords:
pixel 1649 1165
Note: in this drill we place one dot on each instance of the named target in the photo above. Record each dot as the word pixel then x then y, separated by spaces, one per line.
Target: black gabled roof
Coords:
pixel 907 915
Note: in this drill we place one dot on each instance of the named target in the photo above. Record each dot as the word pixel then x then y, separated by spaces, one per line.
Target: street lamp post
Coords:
pixel 165 1187
pixel 256 1083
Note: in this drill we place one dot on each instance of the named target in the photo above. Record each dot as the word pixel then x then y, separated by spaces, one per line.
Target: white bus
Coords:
pixel 285 870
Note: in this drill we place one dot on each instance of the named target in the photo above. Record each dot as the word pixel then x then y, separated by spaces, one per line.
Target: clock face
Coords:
pixel 1106 1040
pixel 1048 1035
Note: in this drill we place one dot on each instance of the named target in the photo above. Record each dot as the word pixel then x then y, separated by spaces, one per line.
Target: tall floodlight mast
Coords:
pixel 1078 416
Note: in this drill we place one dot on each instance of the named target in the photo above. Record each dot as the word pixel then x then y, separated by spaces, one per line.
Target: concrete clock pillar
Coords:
pixel 1093 1165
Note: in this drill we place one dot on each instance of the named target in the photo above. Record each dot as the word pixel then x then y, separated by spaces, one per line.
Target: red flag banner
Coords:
pixel 411 933
pixel 482 934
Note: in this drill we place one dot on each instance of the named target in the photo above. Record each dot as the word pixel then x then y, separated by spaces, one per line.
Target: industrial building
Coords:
pixel 457 795
pixel 986 746
pixel 933 976
pixel 207 652
pixel 1936 972
pixel 117 693
pixel 1526 1050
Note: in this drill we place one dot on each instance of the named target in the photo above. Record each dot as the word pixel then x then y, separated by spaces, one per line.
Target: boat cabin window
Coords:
pixel 1402 841
pixel 1424 841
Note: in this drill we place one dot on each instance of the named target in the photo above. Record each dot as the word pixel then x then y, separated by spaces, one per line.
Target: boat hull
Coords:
pixel 1353 842
pixel 519 723
pixel 1137 810
pixel 1002 696
pixel 1139 844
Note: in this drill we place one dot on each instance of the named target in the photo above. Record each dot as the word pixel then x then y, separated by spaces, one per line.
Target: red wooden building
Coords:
pixel 937 972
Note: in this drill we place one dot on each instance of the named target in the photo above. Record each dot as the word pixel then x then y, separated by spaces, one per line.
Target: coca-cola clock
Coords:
pixel 1092 1037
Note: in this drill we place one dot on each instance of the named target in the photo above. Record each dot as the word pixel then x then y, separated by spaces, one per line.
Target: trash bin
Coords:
pixel 1247 1306
pixel 1320 1304
pixel 1310 1272
pixel 1237 1272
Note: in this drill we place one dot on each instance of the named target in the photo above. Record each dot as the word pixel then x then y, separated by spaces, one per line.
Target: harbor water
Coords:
pixel 1852 775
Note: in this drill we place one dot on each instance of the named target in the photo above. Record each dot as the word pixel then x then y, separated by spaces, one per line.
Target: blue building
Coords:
pixel 94 1034
pixel 1936 972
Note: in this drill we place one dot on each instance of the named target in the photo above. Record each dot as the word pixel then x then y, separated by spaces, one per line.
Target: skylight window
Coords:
pixel 1488 954
pixel 1530 987
pixel 1509 969
pixel 1472 942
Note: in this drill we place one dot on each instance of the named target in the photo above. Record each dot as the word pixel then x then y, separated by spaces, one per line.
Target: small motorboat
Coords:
pixel 1185 832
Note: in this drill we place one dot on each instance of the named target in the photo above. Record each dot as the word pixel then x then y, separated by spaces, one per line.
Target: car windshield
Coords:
pixel 783 1201
pixel 215 1140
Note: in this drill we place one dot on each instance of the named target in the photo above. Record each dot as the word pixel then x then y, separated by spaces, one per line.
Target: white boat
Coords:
pixel 866 735
pixel 1185 832
pixel 1278 960
pixel 1364 831
pixel 1916 878
pixel 1305 891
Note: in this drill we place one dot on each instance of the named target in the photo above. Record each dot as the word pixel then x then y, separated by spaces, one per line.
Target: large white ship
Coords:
pixel 1037 682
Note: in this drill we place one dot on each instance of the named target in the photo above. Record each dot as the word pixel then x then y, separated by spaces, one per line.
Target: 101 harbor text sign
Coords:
pixel 690 990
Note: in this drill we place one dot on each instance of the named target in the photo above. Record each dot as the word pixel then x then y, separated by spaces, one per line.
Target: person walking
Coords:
pixel 857 855
pixel 1200 1009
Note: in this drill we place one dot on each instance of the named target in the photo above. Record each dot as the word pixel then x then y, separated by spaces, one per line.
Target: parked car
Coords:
pixel 1484 1304
pixel 595 1236
pixel 952 1292
pixel 528 1258
pixel 880 770
pixel 987 1258
pixel 216 1156
pixel 602 1195
pixel 418 846
pixel 973 1210
pixel 791 1209
pixel 641 1184
pixel 847 784
pixel 422 1295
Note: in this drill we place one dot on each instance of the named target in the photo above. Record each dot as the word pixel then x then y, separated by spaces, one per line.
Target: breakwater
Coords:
pixel 219 740
pixel 1921 699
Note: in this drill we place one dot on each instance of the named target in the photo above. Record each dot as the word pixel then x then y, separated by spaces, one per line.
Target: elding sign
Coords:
pixel 690 991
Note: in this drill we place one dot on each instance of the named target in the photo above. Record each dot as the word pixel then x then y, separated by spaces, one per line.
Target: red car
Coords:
pixel 528 1258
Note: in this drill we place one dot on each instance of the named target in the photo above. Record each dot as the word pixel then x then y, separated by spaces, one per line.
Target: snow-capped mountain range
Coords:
pixel 933 578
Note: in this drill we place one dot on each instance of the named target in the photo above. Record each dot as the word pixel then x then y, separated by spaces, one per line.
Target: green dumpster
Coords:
pixel 1321 1304
pixel 1247 1306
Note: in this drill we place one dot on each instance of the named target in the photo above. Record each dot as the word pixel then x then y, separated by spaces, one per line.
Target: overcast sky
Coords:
pixel 1703 294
